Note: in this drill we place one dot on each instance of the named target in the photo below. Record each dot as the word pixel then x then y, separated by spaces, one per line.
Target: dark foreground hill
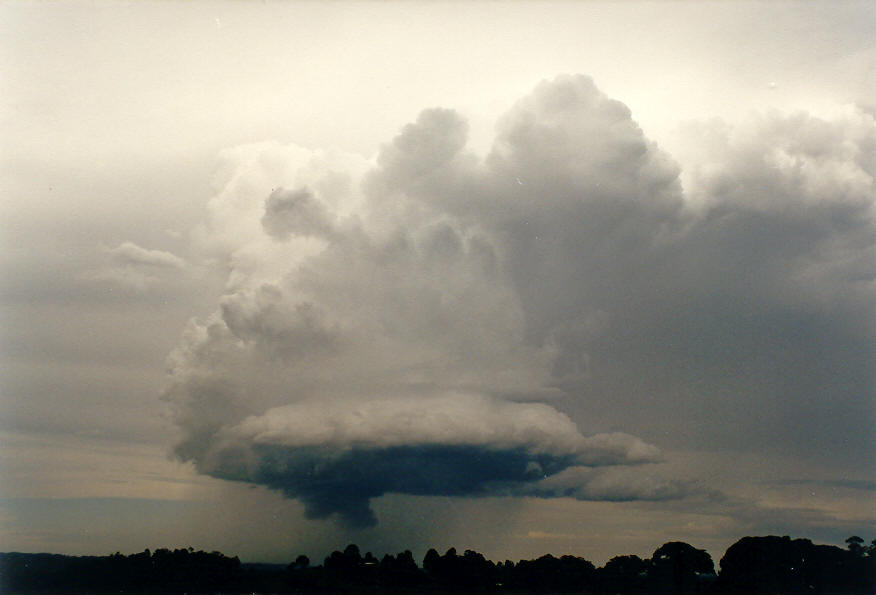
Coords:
pixel 768 565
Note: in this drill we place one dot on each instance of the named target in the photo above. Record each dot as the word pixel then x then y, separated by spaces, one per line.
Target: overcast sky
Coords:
pixel 516 277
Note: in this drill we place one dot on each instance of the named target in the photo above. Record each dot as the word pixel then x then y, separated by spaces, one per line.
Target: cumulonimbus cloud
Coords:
pixel 416 324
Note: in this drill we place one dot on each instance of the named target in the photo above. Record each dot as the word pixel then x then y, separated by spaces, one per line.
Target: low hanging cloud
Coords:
pixel 437 323
pixel 613 485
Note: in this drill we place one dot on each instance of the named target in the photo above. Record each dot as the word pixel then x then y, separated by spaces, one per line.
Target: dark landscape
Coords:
pixel 769 564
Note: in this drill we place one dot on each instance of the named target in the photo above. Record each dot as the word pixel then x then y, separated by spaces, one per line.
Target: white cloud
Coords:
pixel 131 266
pixel 130 254
pixel 452 419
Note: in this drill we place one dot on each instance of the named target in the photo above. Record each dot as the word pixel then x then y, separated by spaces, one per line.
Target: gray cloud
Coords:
pixel 422 148
pixel 851 484
pixel 295 212
pixel 757 323
pixel 336 456
pixel 132 266
pixel 263 318
pixel 129 253
pixel 614 485
pixel 342 482
pixel 402 335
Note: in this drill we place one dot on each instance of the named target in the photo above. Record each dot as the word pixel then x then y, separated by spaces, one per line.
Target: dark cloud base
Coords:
pixel 344 482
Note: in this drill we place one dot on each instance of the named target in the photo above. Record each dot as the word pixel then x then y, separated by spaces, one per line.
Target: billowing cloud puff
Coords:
pixel 436 323
pixel 290 212
pixel 450 419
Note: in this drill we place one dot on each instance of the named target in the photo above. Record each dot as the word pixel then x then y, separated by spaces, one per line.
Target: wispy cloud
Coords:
pixel 130 254
pixel 135 267
pixel 851 484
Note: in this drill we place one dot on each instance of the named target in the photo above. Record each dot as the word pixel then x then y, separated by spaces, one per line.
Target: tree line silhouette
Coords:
pixel 766 565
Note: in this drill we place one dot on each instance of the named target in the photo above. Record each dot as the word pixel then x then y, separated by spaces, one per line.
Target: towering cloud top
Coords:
pixel 415 325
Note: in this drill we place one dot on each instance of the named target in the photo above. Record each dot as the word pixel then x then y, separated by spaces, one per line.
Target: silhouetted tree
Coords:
pixel 349 568
pixel 551 574
pixel 471 571
pixel 431 561
pixel 676 567
pixel 774 564
pixel 856 545
pixel 351 553
pixel 765 564
pixel 506 574
pixel 623 574
pixel 400 571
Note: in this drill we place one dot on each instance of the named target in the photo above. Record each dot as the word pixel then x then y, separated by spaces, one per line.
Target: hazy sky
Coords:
pixel 519 277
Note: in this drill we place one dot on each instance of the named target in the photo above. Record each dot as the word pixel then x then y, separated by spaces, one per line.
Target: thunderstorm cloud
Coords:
pixel 437 323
